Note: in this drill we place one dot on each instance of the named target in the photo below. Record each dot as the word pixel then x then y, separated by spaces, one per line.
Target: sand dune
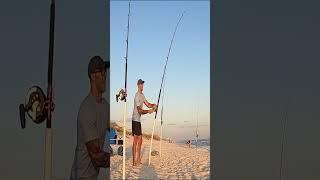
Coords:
pixel 176 162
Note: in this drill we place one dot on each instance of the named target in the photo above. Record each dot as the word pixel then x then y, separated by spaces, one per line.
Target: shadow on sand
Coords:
pixel 143 150
pixel 148 172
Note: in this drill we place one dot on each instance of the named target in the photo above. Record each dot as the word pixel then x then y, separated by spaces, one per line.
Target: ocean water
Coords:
pixel 202 143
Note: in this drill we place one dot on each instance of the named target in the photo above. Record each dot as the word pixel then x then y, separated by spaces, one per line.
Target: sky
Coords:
pixel 266 63
pixel 187 80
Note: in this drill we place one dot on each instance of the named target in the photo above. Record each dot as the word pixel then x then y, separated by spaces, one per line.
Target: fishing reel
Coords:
pixel 36 106
pixel 121 95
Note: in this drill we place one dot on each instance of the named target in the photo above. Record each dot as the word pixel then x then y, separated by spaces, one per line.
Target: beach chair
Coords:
pixel 116 142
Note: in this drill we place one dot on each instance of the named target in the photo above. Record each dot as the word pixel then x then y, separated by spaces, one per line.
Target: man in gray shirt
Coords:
pixel 139 100
pixel 92 125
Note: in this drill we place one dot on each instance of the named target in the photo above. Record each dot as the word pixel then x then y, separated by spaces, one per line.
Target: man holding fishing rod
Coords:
pixel 92 125
pixel 139 100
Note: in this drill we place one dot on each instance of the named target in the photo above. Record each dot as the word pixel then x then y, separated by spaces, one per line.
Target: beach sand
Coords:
pixel 177 162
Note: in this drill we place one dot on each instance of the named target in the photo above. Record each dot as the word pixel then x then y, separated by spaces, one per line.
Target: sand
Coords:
pixel 177 162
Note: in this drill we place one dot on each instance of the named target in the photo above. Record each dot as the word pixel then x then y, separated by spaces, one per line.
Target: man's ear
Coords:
pixel 92 77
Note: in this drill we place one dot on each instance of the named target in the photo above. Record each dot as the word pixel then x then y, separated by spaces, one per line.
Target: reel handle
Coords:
pixel 117 96
pixel 22 116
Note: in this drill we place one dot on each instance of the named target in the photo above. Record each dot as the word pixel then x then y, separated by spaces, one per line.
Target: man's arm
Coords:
pixel 142 111
pixel 98 157
pixel 149 105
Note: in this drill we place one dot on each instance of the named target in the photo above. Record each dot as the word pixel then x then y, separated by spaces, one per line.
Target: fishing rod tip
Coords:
pixel 184 12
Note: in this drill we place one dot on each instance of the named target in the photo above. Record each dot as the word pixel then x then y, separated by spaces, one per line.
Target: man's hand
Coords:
pixel 101 159
pixel 151 111
pixel 154 107
pixel 98 157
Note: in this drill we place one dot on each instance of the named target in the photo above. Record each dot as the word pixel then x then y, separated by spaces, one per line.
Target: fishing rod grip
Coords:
pixel 158 100
pixel 155 116
pixel 156 110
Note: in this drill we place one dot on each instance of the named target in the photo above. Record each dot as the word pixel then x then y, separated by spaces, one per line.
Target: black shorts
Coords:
pixel 136 128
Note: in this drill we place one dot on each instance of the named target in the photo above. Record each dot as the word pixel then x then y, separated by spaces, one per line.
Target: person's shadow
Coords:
pixel 148 172
pixel 129 153
pixel 142 151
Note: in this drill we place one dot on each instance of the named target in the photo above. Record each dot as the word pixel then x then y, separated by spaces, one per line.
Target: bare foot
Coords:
pixel 139 163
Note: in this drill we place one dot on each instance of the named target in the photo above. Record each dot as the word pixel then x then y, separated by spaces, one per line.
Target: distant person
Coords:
pixel 189 143
pixel 92 125
pixel 139 100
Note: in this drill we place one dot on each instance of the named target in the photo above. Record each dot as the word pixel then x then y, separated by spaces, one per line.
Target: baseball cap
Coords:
pixel 95 63
pixel 140 82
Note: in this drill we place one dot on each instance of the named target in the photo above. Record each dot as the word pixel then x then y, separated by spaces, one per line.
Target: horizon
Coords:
pixel 158 134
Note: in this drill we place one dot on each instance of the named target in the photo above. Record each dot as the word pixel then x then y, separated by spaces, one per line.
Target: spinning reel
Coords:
pixel 36 106
pixel 121 95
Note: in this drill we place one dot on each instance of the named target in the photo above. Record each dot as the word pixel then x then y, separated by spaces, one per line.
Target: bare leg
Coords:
pixel 134 146
pixel 139 149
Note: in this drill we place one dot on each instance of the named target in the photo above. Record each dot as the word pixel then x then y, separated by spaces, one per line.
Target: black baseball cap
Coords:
pixel 140 82
pixel 96 62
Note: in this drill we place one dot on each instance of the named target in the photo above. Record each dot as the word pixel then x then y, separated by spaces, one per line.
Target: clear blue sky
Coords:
pixel 187 87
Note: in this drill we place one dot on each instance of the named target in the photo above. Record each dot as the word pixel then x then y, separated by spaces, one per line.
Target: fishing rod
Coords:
pixel 161 119
pixel 283 141
pixel 38 106
pixel 161 129
pixel 122 96
pixel 197 132
pixel 164 71
pixel 165 67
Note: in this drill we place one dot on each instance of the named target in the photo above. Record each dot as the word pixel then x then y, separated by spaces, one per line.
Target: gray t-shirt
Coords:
pixel 138 101
pixel 91 124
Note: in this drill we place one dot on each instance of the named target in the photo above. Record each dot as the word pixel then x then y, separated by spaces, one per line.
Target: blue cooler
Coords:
pixel 113 136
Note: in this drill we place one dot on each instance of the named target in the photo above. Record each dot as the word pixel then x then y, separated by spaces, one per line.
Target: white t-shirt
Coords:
pixel 138 101
pixel 91 124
